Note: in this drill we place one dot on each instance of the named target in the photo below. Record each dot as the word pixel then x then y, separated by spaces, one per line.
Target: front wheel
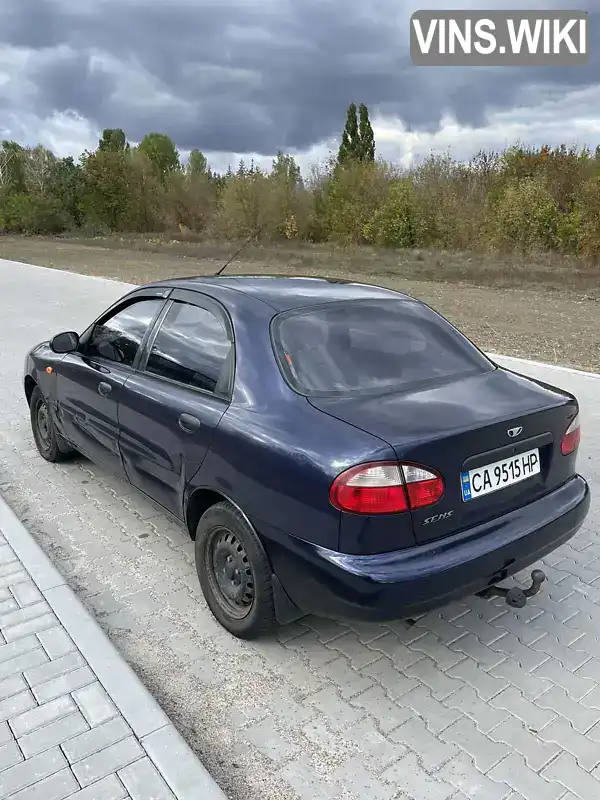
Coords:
pixel 234 573
pixel 48 441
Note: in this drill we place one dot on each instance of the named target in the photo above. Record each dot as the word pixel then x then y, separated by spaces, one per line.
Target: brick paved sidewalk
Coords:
pixel 75 722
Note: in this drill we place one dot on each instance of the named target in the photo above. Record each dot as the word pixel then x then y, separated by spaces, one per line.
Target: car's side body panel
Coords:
pixel 159 457
pixel 38 359
pixel 88 419
pixel 278 469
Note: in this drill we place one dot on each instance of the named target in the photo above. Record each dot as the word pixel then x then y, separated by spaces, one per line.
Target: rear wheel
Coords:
pixel 234 572
pixel 48 441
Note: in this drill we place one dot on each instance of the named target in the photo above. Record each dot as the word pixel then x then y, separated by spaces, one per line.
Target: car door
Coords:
pixel 171 406
pixel 90 380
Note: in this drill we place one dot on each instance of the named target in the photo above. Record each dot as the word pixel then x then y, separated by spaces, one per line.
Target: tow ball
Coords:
pixel 515 596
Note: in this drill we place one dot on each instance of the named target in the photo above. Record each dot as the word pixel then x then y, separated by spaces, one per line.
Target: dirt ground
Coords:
pixel 546 309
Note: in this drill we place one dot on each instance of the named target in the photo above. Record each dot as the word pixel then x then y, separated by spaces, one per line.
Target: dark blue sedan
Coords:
pixel 332 447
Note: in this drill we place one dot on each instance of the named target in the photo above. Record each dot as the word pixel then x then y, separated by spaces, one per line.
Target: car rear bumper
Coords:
pixel 408 582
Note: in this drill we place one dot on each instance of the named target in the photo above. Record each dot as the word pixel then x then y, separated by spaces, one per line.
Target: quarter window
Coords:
pixel 191 347
pixel 119 337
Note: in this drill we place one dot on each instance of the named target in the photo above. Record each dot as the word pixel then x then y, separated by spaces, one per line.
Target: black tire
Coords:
pixel 48 441
pixel 234 573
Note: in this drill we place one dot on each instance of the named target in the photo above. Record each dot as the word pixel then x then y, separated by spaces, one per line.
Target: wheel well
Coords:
pixel 199 502
pixel 30 385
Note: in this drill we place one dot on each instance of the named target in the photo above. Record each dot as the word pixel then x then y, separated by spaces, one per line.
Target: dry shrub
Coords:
pixel 352 195
pixel 524 217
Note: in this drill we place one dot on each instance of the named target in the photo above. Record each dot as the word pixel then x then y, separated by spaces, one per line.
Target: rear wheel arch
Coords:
pixel 201 500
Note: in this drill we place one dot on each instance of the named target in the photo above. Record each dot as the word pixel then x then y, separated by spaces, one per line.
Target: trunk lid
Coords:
pixel 463 425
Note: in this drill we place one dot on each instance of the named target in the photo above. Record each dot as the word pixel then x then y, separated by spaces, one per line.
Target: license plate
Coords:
pixel 492 477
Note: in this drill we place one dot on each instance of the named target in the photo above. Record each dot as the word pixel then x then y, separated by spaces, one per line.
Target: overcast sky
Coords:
pixel 249 77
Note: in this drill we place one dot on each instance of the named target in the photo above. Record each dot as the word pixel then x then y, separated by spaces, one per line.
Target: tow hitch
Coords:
pixel 515 596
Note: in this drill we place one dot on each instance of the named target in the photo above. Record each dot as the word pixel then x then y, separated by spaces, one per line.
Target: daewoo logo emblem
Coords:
pixel 512 432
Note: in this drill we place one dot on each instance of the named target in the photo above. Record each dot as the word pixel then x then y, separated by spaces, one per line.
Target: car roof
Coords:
pixel 285 292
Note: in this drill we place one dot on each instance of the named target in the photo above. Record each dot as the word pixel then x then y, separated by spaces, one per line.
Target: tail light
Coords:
pixel 572 437
pixel 385 487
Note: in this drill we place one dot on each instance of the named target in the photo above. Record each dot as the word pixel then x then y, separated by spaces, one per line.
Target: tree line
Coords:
pixel 521 199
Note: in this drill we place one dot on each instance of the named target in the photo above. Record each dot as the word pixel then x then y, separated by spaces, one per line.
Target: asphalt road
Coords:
pixel 476 701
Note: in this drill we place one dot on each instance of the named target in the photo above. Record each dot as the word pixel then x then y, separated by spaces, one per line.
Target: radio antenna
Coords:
pixel 256 233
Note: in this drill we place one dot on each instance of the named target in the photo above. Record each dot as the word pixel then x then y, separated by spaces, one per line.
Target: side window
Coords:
pixel 191 347
pixel 118 338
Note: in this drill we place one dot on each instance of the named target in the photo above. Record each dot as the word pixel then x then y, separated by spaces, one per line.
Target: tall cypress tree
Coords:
pixel 358 140
pixel 350 137
pixel 366 135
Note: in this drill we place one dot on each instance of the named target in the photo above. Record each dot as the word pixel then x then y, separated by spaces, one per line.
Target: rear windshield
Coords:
pixel 371 346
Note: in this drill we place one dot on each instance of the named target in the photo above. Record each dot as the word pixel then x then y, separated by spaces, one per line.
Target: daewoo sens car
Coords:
pixel 332 447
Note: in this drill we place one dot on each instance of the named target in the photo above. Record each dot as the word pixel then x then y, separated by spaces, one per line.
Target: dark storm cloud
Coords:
pixel 250 76
pixel 70 77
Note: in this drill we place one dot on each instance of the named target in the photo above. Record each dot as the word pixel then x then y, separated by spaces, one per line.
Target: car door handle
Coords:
pixel 104 388
pixel 188 423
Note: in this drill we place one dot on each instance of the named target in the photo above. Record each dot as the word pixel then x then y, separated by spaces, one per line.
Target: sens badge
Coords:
pixel 438 517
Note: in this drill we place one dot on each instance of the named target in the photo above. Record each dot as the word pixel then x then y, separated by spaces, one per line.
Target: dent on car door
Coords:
pixel 172 405
pixel 90 380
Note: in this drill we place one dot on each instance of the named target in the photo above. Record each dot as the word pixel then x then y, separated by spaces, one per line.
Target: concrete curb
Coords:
pixel 179 766
pixel 569 370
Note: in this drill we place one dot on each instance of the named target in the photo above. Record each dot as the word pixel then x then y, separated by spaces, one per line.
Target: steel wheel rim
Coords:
pixel 42 420
pixel 229 573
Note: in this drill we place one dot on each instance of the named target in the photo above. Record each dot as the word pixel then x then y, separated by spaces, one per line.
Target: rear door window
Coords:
pixel 363 346
pixel 192 347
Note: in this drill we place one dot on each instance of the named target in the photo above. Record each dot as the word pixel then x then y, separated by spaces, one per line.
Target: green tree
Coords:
pixel 190 201
pixel 68 188
pixel 358 140
pixel 161 152
pixel 243 206
pixel 38 170
pixel 286 171
pixel 25 213
pixel 219 182
pixel 398 221
pixel 197 164
pixel 113 140
pixel 353 195
pixel 12 173
pixel 107 193
pixel 366 135
pixel 350 143
pixel 147 195
pixel 284 196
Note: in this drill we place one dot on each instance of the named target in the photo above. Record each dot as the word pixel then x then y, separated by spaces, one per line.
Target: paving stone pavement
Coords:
pixel 474 701
pixel 61 734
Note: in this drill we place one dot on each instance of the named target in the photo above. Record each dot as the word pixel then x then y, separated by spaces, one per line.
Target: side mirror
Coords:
pixel 65 342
